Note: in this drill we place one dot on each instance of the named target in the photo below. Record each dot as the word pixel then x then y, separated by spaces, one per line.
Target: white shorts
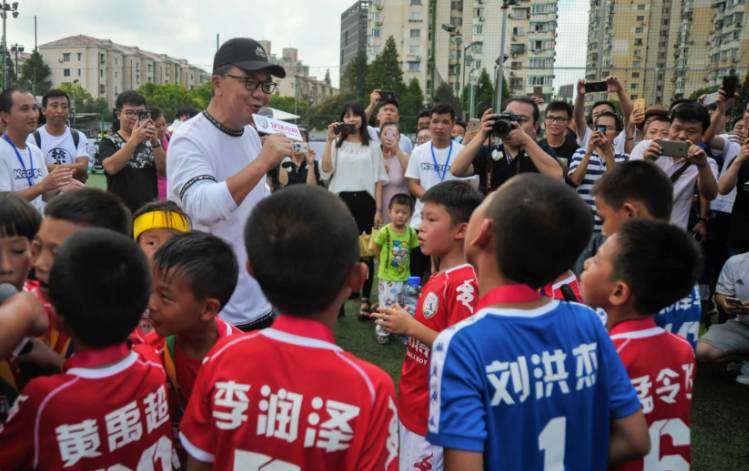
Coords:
pixel 417 454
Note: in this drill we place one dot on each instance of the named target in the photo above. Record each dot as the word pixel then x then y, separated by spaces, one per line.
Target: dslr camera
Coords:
pixel 503 124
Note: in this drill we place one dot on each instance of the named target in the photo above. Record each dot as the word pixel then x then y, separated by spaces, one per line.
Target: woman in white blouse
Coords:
pixel 356 172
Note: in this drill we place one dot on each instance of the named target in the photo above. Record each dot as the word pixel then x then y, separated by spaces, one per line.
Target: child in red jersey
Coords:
pixel 109 409
pixel 447 298
pixel 194 275
pixel 287 397
pixel 645 266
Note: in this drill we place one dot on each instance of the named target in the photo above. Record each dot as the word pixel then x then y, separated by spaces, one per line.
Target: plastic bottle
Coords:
pixel 410 294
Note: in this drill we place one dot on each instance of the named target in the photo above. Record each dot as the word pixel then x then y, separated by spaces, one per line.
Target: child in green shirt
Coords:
pixel 394 243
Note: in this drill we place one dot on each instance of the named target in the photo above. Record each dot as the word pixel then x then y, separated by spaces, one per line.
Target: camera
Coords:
pixel 503 123
pixel 387 96
pixel 348 128
pixel 144 115
pixel 287 163
pixel 299 147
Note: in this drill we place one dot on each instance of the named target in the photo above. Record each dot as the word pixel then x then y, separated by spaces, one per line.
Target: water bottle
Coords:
pixel 410 294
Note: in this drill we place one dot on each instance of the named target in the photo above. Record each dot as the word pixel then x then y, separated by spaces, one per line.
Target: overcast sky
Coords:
pixel 187 28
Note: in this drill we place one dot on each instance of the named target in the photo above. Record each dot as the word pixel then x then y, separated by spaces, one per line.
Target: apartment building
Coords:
pixel 353 32
pixel 105 68
pixel 298 82
pixel 444 41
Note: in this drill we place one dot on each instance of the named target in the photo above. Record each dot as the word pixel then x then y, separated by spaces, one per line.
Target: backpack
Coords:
pixel 73 132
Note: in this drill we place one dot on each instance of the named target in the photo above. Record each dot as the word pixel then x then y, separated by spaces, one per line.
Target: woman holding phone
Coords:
pixel 355 171
pixel 396 162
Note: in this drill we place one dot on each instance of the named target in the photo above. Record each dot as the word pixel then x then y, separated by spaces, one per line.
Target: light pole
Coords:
pixel 463 64
pixel 12 9
pixel 16 48
pixel 450 28
pixel 472 104
pixel 501 60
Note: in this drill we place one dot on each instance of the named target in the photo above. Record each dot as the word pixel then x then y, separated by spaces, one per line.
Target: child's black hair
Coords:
pixel 17 217
pixel 459 199
pixel 91 207
pixel 691 112
pixel 541 226
pixel 302 243
pixel 99 284
pixel 637 180
pixel 402 199
pixel 207 263
pixel 659 262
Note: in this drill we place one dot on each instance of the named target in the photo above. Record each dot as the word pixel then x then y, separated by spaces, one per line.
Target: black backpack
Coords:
pixel 74 132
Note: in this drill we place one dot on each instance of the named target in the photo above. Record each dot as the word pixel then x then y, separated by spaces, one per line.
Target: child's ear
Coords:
pixel 631 210
pixel 484 237
pixel 460 232
pixel 621 294
pixel 211 308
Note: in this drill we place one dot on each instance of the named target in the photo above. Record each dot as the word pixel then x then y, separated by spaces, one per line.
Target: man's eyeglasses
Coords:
pixel 131 113
pixel 556 120
pixel 251 84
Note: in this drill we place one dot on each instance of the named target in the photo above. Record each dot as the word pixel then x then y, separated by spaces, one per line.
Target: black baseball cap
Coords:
pixel 248 55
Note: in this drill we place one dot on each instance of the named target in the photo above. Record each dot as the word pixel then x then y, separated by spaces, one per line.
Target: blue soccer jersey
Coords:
pixel 532 390
pixel 683 317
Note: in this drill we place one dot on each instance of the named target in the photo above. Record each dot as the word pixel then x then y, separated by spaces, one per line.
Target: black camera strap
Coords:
pixel 678 173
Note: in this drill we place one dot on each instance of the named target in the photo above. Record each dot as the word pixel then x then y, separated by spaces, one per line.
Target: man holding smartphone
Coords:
pixel 623 141
pixel 132 155
pixel 387 113
pixel 686 162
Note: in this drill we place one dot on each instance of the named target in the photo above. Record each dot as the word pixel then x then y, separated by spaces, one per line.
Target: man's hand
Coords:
pixel 615 86
pixel 58 178
pixel 581 87
pixel 310 157
pixel 653 151
pixel 744 152
pixel 395 320
pixel 331 132
pixel 275 148
pixel 605 145
pixel 487 123
pixel 73 185
pixel 539 101
pixel 26 304
pixel 696 155
pixel 142 131
pixel 374 97
pixel 517 136
pixel 699 231
pixel 594 141
pixel 637 117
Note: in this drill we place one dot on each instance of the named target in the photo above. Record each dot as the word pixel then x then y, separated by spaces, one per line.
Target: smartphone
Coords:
pixel 729 85
pixel 710 99
pixel 639 105
pixel 299 147
pixel 144 115
pixel 602 129
pixel 538 91
pixel 387 96
pixel 345 127
pixel 673 148
pixel 473 125
pixel 596 87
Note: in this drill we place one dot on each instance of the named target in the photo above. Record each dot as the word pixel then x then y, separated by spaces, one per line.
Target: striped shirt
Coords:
pixel 596 168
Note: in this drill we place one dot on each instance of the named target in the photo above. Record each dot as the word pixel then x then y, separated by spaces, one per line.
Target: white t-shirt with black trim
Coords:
pixel 200 159
pixel 59 150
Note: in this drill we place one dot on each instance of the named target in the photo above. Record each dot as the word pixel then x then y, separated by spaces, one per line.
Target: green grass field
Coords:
pixel 720 407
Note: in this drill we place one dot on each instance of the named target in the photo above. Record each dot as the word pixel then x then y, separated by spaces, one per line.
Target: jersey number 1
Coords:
pixel 551 442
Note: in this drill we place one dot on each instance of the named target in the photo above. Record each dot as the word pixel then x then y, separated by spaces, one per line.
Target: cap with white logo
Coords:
pixel 248 55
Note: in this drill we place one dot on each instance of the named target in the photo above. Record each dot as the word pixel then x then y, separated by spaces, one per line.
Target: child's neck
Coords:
pixel 615 315
pixel 398 229
pixel 453 258
pixel 196 342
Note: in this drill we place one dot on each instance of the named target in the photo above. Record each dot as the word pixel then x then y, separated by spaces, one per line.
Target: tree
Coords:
pixel 328 110
pixel 290 104
pixel 702 91
pixel 327 76
pixel 411 103
pixel 354 79
pixel 35 75
pixel 202 94
pixel 385 71
pixel 83 102
pixel 483 95
pixel 444 94
pixel 169 97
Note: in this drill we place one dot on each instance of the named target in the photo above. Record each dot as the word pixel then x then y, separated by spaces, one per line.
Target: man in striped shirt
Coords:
pixel 588 164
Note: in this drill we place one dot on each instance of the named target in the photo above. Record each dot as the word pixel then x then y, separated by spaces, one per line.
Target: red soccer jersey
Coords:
pixel 92 418
pixel 182 370
pixel 556 290
pixel 661 367
pixel 54 338
pixel 446 299
pixel 288 397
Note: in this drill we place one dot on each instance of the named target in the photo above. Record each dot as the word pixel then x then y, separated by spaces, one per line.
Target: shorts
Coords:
pixel 730 337
pixel 389 292
pixel 417 454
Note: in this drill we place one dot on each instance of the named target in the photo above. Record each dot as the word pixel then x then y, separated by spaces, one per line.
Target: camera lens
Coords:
pixel 502 128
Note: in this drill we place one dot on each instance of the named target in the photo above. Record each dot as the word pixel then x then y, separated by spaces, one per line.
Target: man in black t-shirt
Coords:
pixel 132 155
pixel 558 135
pixel 498 161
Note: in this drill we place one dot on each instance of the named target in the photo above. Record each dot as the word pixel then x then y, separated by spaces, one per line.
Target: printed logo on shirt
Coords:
pixel 426 166
pixel 466 294
pixel 21 174
pixel 430 306
pixel 59 155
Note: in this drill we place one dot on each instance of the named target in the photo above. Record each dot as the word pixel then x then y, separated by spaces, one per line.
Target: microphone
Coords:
pixel 265 111
pixel 6 290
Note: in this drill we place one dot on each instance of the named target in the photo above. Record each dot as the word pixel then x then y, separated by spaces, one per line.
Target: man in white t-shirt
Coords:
pixel 61 145
pixel 584 131
pixel 216 164
pixel 22 167
pixel 430 163
pixel 688 122
pixel 388 113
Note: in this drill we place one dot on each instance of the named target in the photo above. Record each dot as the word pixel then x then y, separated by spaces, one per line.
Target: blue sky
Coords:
pixel 187 28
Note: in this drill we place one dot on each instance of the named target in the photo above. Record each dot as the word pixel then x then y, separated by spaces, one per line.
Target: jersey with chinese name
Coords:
pixel 124 424
pixel 54 338
pixel 566 289
pixel 683 317
pixel 447 298
pixel 661 366
pixel 530 389
pixel 287 397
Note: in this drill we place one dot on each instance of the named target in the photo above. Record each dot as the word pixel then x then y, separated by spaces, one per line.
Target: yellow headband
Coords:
pixel 159 220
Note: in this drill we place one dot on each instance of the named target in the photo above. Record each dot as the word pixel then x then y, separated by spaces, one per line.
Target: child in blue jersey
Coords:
pixel 640 189
pixel 528 382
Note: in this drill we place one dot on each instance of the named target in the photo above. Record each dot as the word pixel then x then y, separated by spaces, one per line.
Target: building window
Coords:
pixel 415 33
pixel 640 18
pixel 376 33
pixel 414 66
pixel 79 72
pixel 641 6
pixel 478 29
pixel 635 74
pixel 80 54
pixel 103 59
pixel 101 73
pixel 639 29
pixel 66 57
pixel 102 89
pixel 66 72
